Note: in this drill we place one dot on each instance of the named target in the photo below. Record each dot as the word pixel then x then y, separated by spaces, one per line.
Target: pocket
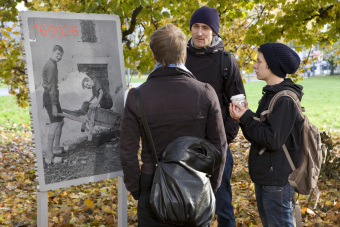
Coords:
pixel 272 189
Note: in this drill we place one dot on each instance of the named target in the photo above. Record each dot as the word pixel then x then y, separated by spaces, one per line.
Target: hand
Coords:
pixel 54 110
pixel 237 110
pixel 93 105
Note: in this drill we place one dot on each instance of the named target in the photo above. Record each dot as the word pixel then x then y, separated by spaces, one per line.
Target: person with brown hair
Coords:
pixel 175 104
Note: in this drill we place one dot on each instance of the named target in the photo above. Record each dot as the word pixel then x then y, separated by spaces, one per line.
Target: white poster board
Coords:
pixel 91 47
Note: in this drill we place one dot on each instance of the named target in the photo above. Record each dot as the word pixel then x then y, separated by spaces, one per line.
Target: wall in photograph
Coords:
pixel 76 81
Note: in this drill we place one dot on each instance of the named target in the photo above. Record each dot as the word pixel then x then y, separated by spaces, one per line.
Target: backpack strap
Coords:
pixel 288 157
pixel 297 208
pixel 225 70
pixel 146 127
pixel 280 94
pixel 297 211
pixel 225 64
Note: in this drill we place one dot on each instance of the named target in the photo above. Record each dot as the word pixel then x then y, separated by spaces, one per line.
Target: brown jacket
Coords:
pixel 175 104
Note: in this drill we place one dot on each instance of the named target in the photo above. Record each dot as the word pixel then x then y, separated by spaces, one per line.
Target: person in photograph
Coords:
pixel 204 61
pixel 52 104
pixel 176 104
pixel 269 170
pixel 100 92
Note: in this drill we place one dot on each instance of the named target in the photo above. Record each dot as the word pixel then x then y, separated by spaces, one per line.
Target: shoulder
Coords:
pixel 231 58
pixel 210 92
pixel 285 104
pixel 49 65
pixel 97 83
pixel 233 61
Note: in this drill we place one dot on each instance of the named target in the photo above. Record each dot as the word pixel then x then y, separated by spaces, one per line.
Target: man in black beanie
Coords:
pixel 204 51
pixel 268 166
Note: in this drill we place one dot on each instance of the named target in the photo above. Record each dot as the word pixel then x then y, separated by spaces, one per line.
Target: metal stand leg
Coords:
pixel 42 209
pixel 122 203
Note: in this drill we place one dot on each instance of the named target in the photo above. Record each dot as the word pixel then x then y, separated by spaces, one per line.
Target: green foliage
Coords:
pixel 332 55
pixel 245 25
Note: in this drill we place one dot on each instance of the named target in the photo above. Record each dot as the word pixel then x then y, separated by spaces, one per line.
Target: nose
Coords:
pixel 199 31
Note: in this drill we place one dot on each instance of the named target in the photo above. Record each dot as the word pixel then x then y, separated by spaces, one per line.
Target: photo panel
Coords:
pixel 76 81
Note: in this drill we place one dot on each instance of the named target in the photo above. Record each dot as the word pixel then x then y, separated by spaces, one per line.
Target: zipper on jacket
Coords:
pixel 271 164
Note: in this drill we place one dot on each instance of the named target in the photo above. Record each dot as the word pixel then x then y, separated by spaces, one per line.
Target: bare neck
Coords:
pixel 272 80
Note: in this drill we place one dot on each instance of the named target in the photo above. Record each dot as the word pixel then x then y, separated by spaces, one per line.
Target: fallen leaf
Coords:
pixel 89 203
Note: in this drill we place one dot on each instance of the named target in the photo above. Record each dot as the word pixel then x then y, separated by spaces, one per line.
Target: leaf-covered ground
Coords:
pixel 95 204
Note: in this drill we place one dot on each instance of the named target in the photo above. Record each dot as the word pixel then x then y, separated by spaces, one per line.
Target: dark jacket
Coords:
pixel 50 81
pixel 283 127
pixel 176 104
pixel 205 64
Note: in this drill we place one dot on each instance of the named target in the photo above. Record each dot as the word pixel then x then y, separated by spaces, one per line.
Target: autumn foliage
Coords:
pixel 95 204
pixel 245 24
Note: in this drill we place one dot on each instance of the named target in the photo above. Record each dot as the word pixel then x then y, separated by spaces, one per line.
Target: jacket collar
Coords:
pixel 170 71
pixel 181 66
pixel 287 84
pixel 217 45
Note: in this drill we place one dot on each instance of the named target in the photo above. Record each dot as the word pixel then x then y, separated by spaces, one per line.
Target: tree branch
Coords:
pixel 21 71
pixel 132 24
pixel 322 13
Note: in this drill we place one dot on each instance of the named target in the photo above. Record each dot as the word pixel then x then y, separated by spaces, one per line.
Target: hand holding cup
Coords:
pixel 238 106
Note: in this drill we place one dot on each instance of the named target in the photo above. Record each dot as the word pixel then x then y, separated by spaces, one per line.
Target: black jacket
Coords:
pixel 175 104
pixel 205 64
pixel 283 127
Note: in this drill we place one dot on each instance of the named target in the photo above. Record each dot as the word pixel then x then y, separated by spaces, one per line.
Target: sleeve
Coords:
pixel 129 146
pixel 232 86
pixel 52 81
pixel 248 114
pixel 273 133
pixel 215 134
pixel 97 86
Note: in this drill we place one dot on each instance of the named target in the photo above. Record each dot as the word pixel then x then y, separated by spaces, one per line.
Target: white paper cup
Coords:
pixel 240 99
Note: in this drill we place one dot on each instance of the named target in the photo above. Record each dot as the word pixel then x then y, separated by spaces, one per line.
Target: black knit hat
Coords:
pixel 281 59
pixel 206 15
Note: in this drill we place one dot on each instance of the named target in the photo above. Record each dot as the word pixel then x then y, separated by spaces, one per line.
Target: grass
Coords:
pixel 136 79
pixel 321 100
pixel 11 115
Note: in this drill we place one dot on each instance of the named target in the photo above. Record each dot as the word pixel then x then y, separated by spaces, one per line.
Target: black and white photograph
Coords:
pixel 76 82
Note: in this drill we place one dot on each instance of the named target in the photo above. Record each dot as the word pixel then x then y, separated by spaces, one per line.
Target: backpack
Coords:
pixel 181 192
pixel 304 177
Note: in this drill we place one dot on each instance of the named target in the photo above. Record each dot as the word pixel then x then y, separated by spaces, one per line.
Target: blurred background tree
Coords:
pixel 245 24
